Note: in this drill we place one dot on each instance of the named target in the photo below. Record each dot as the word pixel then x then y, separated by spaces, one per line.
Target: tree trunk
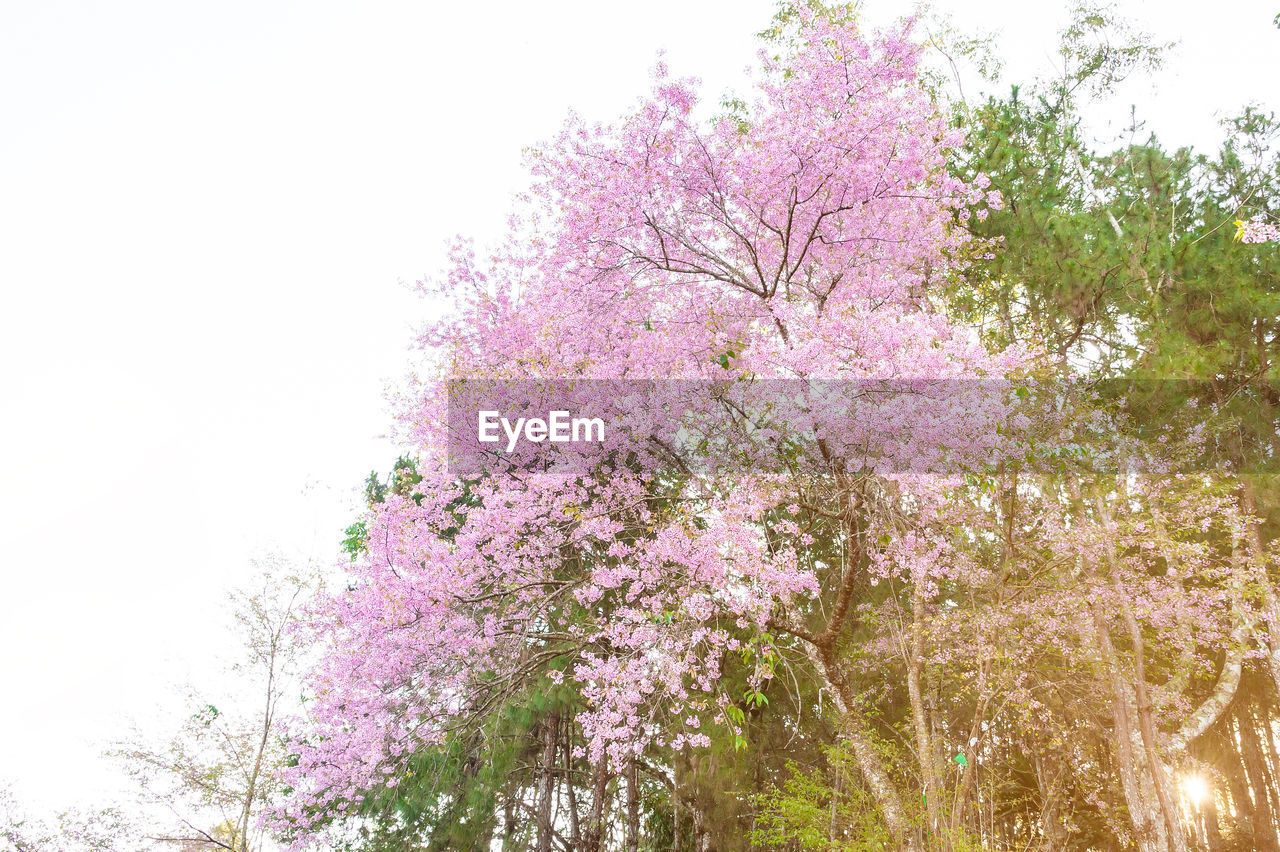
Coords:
pixel 575 828
pixel 1264 829
pixel 633 806
pixel 1265 725
pixel 1230 762
pixel 1148 825
pixel 864 752
pixel 509 822
pixel 920 722
pixel 677 839
pixel 593 837
pixel 1209 811
pixel 1047 775
pixel 1155 764
pixel 1224 692
pixel 550 731
pixel 701 837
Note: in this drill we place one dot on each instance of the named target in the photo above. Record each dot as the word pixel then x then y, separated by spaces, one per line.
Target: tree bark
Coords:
pixel 864 752
pixel 633 806
pixel 593 837
pixel 1209 812
pixel 1263 822
pixel 701 837
pixel 575 828
pixel 1147 825
pixel 1155 764
pixel 547 783
pixel 1216 704
pixel 1232 766
pixel 920 722
pixel 1051 827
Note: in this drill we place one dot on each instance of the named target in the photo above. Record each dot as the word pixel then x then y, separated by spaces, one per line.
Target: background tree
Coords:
pixel 105 830
pixel 221 769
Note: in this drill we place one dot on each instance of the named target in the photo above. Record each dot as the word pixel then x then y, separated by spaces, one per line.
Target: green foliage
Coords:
pixel 401 481
pixel 453 796
pixel 819 809
pixel 355 539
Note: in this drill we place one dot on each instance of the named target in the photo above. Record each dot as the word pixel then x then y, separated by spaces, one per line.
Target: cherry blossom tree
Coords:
pixel 797 238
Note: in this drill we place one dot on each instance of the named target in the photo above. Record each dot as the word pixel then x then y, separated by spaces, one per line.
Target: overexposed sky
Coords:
pixel 205 213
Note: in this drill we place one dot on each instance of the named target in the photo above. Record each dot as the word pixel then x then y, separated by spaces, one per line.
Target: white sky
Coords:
pixel 205 210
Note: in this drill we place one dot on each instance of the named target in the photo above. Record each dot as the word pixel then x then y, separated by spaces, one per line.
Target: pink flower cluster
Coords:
pixel 1257 230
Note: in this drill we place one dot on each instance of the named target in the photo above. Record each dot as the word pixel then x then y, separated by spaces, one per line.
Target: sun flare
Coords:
pixel 1195 788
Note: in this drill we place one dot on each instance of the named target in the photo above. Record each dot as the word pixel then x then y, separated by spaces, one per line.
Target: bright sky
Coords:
pixel 205 211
